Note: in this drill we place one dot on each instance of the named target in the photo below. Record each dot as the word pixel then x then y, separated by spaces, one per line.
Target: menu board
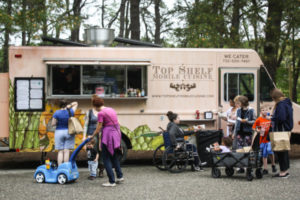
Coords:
pixel 29 94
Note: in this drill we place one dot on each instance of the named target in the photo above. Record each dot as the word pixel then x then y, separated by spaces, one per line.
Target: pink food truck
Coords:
pixel 142 84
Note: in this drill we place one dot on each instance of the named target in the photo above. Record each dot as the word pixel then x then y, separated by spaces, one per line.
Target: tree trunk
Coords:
pixel 273 33
pixel 127 29
pixel 235 24
pixel 135 19
pixel 6 37
pixel 157 21
pixel 77 20
pixel 122 18
pixel 44 26
pixel 23 26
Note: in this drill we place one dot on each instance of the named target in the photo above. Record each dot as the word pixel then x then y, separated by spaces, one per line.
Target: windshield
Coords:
pixel 266 85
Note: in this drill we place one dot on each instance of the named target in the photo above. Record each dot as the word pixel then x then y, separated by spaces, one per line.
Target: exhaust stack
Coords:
pixel 96 36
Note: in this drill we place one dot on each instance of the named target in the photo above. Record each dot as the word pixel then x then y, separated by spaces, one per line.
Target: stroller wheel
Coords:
pixel 229 171
pixel 215 172
pixel 249 175
pixel 258 173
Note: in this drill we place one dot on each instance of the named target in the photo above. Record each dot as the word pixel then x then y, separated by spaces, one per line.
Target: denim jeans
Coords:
pixel 93 165
pixel 110 161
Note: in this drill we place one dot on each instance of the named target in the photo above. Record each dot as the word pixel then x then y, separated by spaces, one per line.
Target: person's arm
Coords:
pixel 73 106
pixel 251 122
pixel 98 129
pixel 97 157
pixel 86 124
pixel 172 135
pixel 54 121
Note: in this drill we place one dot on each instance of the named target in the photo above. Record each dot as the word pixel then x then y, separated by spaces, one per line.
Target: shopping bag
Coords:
pixel 280 141
pixel 74 125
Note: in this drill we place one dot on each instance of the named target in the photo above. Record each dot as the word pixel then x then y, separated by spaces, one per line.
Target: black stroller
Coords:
pixel 231 160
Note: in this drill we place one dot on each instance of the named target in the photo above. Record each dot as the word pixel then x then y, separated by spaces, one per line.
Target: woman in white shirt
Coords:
pixel 231 115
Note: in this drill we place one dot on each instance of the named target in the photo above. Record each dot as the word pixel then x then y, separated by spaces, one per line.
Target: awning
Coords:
pixel 95 61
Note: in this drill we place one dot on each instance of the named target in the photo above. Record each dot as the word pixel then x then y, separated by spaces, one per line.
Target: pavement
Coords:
pixel 143 181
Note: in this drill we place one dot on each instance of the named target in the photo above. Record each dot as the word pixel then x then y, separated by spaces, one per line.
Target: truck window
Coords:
pixel 238 84
pixel 104 80
pixel 66 80
pixel 266 85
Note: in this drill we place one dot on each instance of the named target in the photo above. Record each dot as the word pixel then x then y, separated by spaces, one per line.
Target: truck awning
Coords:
pixel 94 61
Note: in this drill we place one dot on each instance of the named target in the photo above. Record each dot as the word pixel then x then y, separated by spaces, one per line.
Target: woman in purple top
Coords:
pixel 63 140
pixel 110 141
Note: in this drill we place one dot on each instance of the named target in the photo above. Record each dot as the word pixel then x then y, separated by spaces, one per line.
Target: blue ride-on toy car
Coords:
pixel 66 172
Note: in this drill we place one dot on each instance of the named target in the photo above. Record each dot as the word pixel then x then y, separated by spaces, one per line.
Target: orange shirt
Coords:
pixel 263 123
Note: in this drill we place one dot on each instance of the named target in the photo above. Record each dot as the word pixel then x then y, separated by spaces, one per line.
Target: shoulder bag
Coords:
pixel 74 125
pixel 280 141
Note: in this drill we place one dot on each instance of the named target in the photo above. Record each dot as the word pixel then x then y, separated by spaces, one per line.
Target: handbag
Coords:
pixel 280 141
pixel 74 125
pixel 120 149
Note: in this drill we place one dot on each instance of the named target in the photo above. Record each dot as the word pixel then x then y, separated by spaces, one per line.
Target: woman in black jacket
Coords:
pixel 282 120
pixel 177 135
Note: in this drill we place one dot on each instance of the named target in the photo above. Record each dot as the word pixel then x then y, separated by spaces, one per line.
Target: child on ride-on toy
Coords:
pixel 262 126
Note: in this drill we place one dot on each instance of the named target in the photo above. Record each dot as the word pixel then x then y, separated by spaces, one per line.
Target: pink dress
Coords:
pixel 111 134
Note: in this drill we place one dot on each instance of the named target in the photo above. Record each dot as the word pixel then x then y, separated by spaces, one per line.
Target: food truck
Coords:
pixel 142 84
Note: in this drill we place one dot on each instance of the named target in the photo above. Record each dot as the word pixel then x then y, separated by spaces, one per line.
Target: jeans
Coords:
pixel 110 161
pixel 93 165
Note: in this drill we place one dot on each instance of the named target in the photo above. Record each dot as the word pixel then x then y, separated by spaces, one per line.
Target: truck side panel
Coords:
pixel 4 105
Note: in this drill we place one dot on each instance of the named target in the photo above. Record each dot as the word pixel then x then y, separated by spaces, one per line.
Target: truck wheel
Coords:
pixel 40 177
pixel 123 157
pixel 62 179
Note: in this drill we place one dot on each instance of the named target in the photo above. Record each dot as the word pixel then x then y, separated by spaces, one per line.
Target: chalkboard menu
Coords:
pixel 29 94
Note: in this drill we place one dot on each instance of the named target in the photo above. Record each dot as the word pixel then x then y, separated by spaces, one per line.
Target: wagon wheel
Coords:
pixel 215 172
pixel 249 175
pixel 229 171
pixel 158 157
pixel 62 179
pixel 259 173
pixel 40 177
pixel 175 161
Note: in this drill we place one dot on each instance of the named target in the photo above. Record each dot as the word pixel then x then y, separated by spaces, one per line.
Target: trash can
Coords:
pixel 205 139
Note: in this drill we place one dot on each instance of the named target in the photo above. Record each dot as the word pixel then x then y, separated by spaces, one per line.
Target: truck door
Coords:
pixel 238 81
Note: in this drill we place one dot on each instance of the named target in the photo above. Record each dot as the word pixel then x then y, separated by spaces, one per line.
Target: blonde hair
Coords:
pixel 237 98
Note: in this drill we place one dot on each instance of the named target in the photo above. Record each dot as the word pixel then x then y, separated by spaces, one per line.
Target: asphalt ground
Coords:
pixel 143 181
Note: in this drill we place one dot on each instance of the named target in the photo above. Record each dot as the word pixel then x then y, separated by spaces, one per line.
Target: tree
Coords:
pixel 135 19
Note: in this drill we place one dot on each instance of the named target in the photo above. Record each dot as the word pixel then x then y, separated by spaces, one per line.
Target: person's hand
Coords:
pixel 244 120
pixel 232 136
pixel 95 160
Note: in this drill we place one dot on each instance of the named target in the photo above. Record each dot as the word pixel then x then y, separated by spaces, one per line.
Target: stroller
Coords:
pixel 231 160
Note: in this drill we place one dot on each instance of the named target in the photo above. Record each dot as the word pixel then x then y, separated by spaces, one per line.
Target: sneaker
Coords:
pixel 198 169
pixel 274 170
pixel 91 178
pixel 265 171
pixel 203 164
pixel 241 171
pixel 109 184
pixel 119 180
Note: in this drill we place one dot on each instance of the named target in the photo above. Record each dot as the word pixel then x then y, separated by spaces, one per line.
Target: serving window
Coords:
pixel 103 80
